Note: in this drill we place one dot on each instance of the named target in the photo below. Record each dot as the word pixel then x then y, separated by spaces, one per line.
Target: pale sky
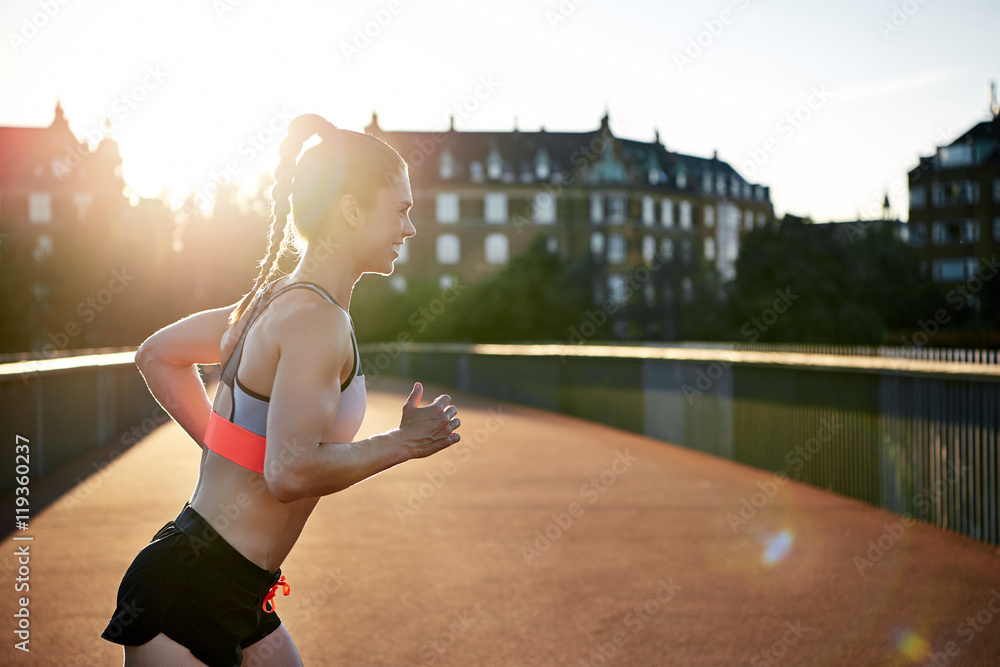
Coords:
pixel 191 86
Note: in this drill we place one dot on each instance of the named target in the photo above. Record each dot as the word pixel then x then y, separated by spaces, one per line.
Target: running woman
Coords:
pixel 280 433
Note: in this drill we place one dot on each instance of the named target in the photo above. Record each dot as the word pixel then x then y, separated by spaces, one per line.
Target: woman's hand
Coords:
pixel 423 431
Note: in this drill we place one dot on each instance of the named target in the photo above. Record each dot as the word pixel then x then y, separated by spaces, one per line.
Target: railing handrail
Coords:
pixel 724 354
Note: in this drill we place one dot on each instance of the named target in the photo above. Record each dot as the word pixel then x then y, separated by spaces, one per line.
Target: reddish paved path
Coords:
pixel 648 561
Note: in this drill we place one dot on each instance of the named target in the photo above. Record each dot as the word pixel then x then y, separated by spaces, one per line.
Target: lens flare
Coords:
pixel 777 546
pixel 912 645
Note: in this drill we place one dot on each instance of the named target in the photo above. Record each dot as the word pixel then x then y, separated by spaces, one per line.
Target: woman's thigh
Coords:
pixel 276 649
pixel 160 651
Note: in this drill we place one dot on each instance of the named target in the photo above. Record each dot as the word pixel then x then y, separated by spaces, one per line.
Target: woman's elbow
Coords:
pixel 284 486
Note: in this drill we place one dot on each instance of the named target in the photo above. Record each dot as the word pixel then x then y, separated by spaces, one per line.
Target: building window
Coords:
pixel 667 249
pixel 496 207
pixel 747 191
pixel 954 269
pixel 952 193
pixel 685 251
pixel 648 211
pixel 40 207
pixel 494 165
pixel 918 197
pixel 616 249
pixel 734 186
pixel 43 248
pixel 497 249
pixel 709 249
pixel 709 216
pixel 685 215
pixel 446 165
pixel 447 207
pixel 648 248
pixel 939 233
pixel 759 191
pixel 545 208
pixel 552 244
pixel 616 208
pixel 687 290
pixel 476 172
pixel 542 166
pixel 649 289
pixel 596 208
pixel 706 182
pixel 682 180
pixel 447 249
pixel 397 283
pixel 720 184
pixel 667 213
pixel 969 231
pixel 918 235
pixel 761 220
pixel 616 289
pixel 748 220
pixel 955 156
pixel 597 245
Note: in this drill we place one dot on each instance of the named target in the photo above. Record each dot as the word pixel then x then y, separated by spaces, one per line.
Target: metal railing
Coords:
pixel 66 406
pixel 910 434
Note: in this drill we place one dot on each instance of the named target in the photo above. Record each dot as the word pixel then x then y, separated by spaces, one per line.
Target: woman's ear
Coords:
pixel 351 210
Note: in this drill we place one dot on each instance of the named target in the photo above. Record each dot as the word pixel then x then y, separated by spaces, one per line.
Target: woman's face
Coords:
pixel 388 226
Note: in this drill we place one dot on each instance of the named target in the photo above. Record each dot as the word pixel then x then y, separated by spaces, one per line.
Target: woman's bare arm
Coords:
pixel 315 347
pixel 168 362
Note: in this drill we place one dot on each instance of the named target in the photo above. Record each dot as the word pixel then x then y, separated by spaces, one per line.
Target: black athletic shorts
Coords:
pixel 194 587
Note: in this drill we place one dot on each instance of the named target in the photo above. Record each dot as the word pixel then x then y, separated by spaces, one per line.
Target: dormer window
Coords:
pixel 682 180
pixel 476 172
pixel 494 165
pixel 543 168
pixel 720 184
pixel 706 182
pixel 447 165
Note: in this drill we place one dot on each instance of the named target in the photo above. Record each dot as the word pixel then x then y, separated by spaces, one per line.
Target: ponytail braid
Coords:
pixel 299 130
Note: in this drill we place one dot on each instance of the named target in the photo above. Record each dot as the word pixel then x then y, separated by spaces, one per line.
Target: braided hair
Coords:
pixel 344 162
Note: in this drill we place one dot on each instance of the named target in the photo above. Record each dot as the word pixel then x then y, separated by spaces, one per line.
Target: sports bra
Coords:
pixel 238 424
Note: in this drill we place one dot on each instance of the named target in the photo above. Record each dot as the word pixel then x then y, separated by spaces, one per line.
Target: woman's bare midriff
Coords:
pixel 236 502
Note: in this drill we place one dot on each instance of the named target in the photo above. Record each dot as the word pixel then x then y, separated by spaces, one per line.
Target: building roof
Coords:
pixel 594 157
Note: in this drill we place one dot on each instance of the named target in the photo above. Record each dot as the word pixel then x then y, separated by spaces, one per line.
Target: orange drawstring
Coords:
pixel 269 600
